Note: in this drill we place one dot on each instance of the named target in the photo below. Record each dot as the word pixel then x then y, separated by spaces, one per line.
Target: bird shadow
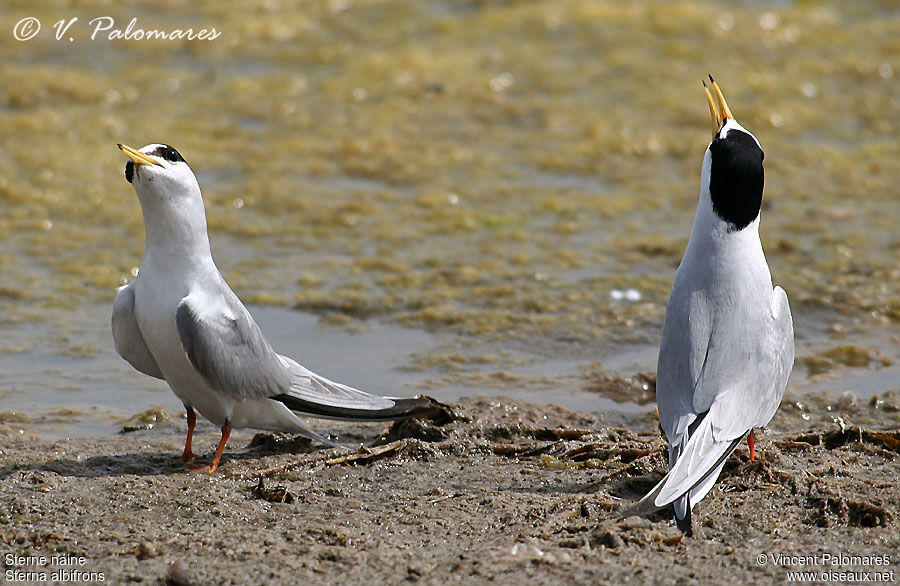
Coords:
pixel 128 464
pixel 159 463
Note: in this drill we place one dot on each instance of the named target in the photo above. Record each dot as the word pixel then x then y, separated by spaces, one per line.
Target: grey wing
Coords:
pixel 716 380
pixel 713 361
pixel 783 351
pixel 750 362
pixel 226 346
pixel 683 352
pixel 127 337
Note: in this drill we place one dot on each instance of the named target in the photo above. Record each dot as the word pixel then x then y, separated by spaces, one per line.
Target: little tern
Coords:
pixel 180 321
pixel 727 345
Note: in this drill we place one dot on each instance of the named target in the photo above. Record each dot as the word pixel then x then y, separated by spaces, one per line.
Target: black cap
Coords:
pixel 736 177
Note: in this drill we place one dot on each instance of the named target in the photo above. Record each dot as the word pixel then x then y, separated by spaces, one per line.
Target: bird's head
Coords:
pixel 159 171
pixel 170 198
pixel 733 174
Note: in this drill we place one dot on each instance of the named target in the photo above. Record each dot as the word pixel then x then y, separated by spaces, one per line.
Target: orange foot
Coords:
pixel 188 457
pixel 211 467
pixel 214 464
pixel 751 441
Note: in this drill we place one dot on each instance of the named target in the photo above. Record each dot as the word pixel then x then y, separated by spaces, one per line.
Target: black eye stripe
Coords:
pixel 164 152
pixel 167 153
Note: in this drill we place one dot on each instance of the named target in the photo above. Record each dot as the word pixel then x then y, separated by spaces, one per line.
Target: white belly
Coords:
pixel 155 313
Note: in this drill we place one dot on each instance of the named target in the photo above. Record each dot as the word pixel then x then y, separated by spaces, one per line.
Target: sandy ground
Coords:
pixel 505 492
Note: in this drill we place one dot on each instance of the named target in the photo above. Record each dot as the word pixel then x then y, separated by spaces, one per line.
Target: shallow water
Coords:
pixel 67 381
pixel 64 379
pixel 468 188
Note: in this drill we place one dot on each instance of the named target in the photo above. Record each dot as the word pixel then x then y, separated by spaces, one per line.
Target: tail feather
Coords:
pixel 400 409
pixel 691 477
pixel 684 519
pixel 315 395
pixel 685 503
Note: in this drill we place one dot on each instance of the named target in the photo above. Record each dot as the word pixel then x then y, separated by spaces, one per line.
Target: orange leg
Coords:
pixel 214 464
pixel 751 441
pixel 188 456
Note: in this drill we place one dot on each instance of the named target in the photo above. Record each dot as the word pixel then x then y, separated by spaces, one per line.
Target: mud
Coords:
pixel 502 492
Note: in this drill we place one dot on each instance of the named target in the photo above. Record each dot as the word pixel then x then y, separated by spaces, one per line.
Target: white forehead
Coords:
pixel 732 124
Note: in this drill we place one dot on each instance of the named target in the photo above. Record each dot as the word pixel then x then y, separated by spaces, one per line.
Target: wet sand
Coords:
pixel 505 492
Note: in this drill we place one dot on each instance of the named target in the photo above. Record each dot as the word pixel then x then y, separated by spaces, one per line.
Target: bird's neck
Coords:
pixel 176 234
pixel 710 227
pixel 722 250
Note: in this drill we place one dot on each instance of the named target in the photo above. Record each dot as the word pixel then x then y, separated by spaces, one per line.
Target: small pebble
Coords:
pixel 847 401
pixel 178 574
pixel 145 550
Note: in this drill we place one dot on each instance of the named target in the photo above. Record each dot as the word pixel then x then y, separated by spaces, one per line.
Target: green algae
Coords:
pixel 846 355
pixel 147 419
pixel 490 169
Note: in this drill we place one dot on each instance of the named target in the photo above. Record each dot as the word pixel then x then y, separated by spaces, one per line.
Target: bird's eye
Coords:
pixel 172 155
pixel 129 171
pixel 168 153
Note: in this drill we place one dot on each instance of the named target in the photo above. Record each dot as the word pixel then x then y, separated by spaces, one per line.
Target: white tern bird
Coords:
pixel 727 344
pixel 181 322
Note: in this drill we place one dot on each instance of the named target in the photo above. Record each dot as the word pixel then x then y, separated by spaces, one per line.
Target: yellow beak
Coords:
pixel 722 112
pixel 137 156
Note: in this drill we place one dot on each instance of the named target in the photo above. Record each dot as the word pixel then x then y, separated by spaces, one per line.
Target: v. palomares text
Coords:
pixel 105 27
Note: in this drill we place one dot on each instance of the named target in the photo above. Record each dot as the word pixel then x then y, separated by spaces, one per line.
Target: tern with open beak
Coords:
pixel 727 345
pixel 180 321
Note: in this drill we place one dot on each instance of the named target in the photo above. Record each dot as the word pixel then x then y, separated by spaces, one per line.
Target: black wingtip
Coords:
pixel 418 406
pixel 685 523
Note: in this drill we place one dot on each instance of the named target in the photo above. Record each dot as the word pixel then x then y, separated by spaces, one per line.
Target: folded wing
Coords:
pixel 229 351
pixel 127 337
